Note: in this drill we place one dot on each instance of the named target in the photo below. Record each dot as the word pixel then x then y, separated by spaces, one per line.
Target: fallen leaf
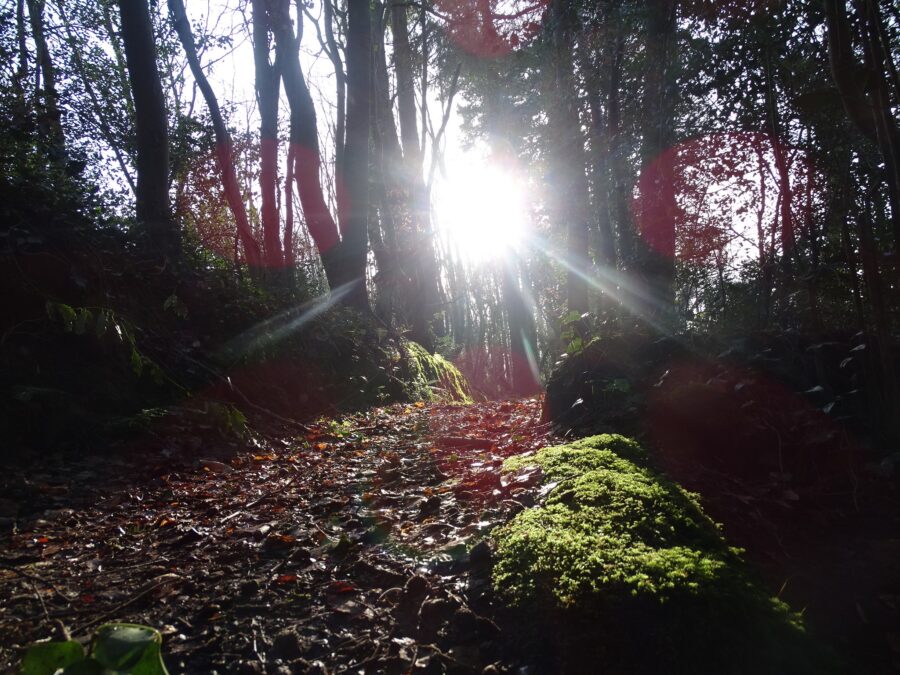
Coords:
pixel 341 587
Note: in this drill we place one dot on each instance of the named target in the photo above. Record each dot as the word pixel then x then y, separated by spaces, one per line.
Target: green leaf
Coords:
pixel 575 346
pixel 570 318
pixel 129 647
pixel 619 384
pixel 137 363
pixel 177 307
pixel 67 314
pixel 45 658
pixel 103 320
pixel 86 667
pixel 82 317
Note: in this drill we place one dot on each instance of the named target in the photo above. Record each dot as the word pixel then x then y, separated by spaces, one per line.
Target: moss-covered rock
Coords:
pixel 432 377
pixel 621 564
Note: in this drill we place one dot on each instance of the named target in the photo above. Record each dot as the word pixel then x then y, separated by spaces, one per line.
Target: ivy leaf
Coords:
pixel 126 646
pixel 45 658
pixel 571 318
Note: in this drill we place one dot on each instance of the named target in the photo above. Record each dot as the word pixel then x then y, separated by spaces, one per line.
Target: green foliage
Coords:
pixel 616 541
pixel 48 657
pixel 116 648
pixel 574 333
pixel 100 321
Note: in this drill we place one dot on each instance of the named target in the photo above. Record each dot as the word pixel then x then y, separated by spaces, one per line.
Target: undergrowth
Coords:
pixel 103 338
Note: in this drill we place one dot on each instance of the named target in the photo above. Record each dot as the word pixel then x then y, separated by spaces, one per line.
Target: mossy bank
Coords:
pixel 619 570
pixel 432 377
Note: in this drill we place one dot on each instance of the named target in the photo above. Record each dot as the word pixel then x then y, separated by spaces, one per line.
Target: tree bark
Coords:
pixel 522 334
pixel 406 102
pixel 388 158
pixel 50 98
pixel 304 139
pixel 340 81
pixel 353 190
pixel 418 254
pixel 657 206
pixel 869 112
pixel 886 374
pixel 267 84
pixel 572 203
pixel 619 180
pixel 121 67
pixel 599 146
pixel 788 230
pixel 290 257
pixel 152 140
pixel 21 73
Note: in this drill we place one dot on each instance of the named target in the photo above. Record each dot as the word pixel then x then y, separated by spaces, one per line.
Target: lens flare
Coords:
pixel 481 211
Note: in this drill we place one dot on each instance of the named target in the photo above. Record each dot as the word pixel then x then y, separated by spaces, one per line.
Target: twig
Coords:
pixel 247 401
pixel 40 600
pixel 33 578
pixel 111 570
pixel 250 505
pixel 160 582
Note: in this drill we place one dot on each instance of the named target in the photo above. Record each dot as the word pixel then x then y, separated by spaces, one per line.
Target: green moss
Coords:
pixel 432 377
pixel 620 544
pixel 609 451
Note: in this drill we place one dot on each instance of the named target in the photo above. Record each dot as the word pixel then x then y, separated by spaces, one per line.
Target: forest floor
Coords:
pixel 354 544
pixel 340 545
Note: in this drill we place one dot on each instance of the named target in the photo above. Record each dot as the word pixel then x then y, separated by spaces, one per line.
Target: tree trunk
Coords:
pixel 290 259
pixel 112 36
pixel 619 182
pixel 416 240
pixel 871 114
pixel 571 189
pixel 353 190
pixel 223 138
pixel 522 335
pixel 406 103
pixel 267 84
pixel 304 138
pixel 657 205
pixel 340 79
pixel 152 140
pixel 387 161
pixel 788 231
pixel 51 115
pixel 886 374
pixel 841 213
pixel 606 252
pixel 21 73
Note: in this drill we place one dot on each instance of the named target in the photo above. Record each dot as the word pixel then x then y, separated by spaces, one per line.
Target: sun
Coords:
pixel 481 210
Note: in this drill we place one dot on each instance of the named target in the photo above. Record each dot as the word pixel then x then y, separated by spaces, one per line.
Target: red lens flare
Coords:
pixel 707 195
pixel 742 422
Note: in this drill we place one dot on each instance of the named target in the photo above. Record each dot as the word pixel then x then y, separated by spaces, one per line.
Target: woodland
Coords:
pixel 467 336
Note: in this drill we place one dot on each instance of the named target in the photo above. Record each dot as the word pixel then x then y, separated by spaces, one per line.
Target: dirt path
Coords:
pixel 349 545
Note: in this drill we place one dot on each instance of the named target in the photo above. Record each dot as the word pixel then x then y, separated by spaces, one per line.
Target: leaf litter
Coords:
pixel 359 544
